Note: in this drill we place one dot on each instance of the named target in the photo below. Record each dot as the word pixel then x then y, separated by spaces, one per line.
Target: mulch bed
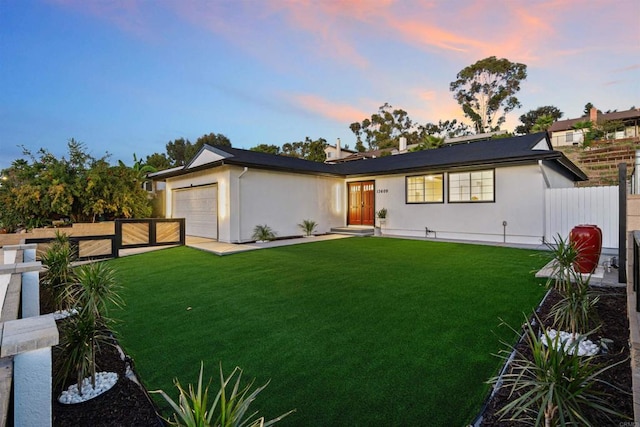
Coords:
pixel 126 404
pixel 612 313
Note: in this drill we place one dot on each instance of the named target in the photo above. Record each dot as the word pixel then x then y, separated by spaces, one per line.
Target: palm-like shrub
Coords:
pixel 81 337
pixel 57 261
pixel 263 232
pixel 574 312
pixel 95 291
pixel 308 226
pixel 564 255
pixel 228 409
pixel 552 385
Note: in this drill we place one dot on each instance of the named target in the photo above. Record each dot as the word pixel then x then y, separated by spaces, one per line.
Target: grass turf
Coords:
pixel 351 332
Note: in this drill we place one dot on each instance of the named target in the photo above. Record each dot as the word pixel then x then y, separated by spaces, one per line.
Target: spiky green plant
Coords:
pixel 57 261
pixel 308 226
pixel 576 308
pixel 553 385
pixel 96 289
pixel 564 255
pixel 263 232
pixel 229 408
pixel 81 337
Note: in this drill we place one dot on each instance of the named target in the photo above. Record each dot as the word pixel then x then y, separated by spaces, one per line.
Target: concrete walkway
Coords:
pixel 220 248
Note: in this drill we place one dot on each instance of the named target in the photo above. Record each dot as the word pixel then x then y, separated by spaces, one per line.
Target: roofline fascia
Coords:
pixel 465 165
pixel 550 155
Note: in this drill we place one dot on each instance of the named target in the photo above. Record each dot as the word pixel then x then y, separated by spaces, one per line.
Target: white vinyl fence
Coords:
pixel 567 207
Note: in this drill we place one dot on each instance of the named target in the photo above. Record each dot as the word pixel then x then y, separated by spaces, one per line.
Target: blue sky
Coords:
pixel 126 76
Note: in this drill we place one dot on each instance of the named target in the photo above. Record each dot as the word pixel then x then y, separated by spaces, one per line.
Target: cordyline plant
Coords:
pixel 59 274
pixel 564 254
pixel 81 337
pixel 553 386
pixel 229 408
pixel 576 308
pixel 83 333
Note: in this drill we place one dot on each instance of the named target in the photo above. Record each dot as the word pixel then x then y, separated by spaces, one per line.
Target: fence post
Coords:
pixel 622 223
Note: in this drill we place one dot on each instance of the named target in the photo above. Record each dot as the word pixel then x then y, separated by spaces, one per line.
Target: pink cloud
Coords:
pixel 343 113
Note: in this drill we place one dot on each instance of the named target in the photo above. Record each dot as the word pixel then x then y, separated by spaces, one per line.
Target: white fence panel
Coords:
pixel 567 207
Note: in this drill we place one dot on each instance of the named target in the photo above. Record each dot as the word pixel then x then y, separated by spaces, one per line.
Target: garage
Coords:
pixel 199 207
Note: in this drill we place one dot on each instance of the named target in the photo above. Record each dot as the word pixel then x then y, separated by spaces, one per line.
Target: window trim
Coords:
pixel 406 189
pixel 493 172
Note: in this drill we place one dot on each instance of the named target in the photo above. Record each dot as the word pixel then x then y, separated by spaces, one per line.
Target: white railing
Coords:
pixel 25 343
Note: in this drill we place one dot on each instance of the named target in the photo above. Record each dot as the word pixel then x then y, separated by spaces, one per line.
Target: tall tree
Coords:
pixel 486 91
pixel 181 150
pixel 158 161
pixel 266 148
pixel 530 118
pixel 587 109
pixel 213 139
pixel 308 149
pixel 445 129
pixel 543 123
pixel 384 128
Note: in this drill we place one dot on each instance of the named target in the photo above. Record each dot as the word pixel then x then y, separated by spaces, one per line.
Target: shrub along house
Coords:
pixel 490 190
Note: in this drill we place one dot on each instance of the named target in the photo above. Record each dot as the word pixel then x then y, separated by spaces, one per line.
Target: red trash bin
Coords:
pixel 587 239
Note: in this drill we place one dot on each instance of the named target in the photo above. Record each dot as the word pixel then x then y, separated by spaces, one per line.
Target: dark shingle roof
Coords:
pixel 561 125
pixel 491 152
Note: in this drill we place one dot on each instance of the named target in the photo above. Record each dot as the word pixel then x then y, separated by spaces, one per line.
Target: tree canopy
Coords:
pixel 41 188
pixel 180 151
pixel 384 128
pixel 486 91
pixel 530 118
pixel 308 149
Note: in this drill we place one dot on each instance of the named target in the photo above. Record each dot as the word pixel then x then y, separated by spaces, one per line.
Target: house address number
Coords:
pixel 382 190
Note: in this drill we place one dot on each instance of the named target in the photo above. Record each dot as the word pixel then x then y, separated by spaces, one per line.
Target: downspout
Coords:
pixel 245 170
pixel 544 199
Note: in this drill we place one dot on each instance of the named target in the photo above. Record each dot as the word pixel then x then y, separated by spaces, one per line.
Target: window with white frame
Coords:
pixel 477 186
pixel 425 188
pixel 569 137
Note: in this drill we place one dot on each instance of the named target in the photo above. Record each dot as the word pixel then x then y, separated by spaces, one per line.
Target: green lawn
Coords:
pixel 356 331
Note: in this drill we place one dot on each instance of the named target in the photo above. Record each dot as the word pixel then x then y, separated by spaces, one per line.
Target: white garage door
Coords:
pixel 199 207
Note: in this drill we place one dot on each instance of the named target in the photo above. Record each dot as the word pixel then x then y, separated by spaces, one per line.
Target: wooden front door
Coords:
pixel 361 203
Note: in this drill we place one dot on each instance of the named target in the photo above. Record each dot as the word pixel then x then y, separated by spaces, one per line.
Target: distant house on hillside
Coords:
pixel 336 152
pixel 562 132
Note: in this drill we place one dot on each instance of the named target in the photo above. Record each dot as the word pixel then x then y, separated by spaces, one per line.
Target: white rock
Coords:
pixel 104 381
pixel 566 340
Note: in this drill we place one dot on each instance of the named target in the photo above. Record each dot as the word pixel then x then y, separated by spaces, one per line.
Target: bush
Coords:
pixel 308 226
pixel 263 232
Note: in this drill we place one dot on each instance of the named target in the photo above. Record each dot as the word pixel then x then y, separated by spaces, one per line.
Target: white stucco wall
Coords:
pixel 519 200
pixel 218 176
pixel 282 200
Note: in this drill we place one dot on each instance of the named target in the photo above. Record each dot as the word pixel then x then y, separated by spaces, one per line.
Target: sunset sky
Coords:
pixel 125 76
